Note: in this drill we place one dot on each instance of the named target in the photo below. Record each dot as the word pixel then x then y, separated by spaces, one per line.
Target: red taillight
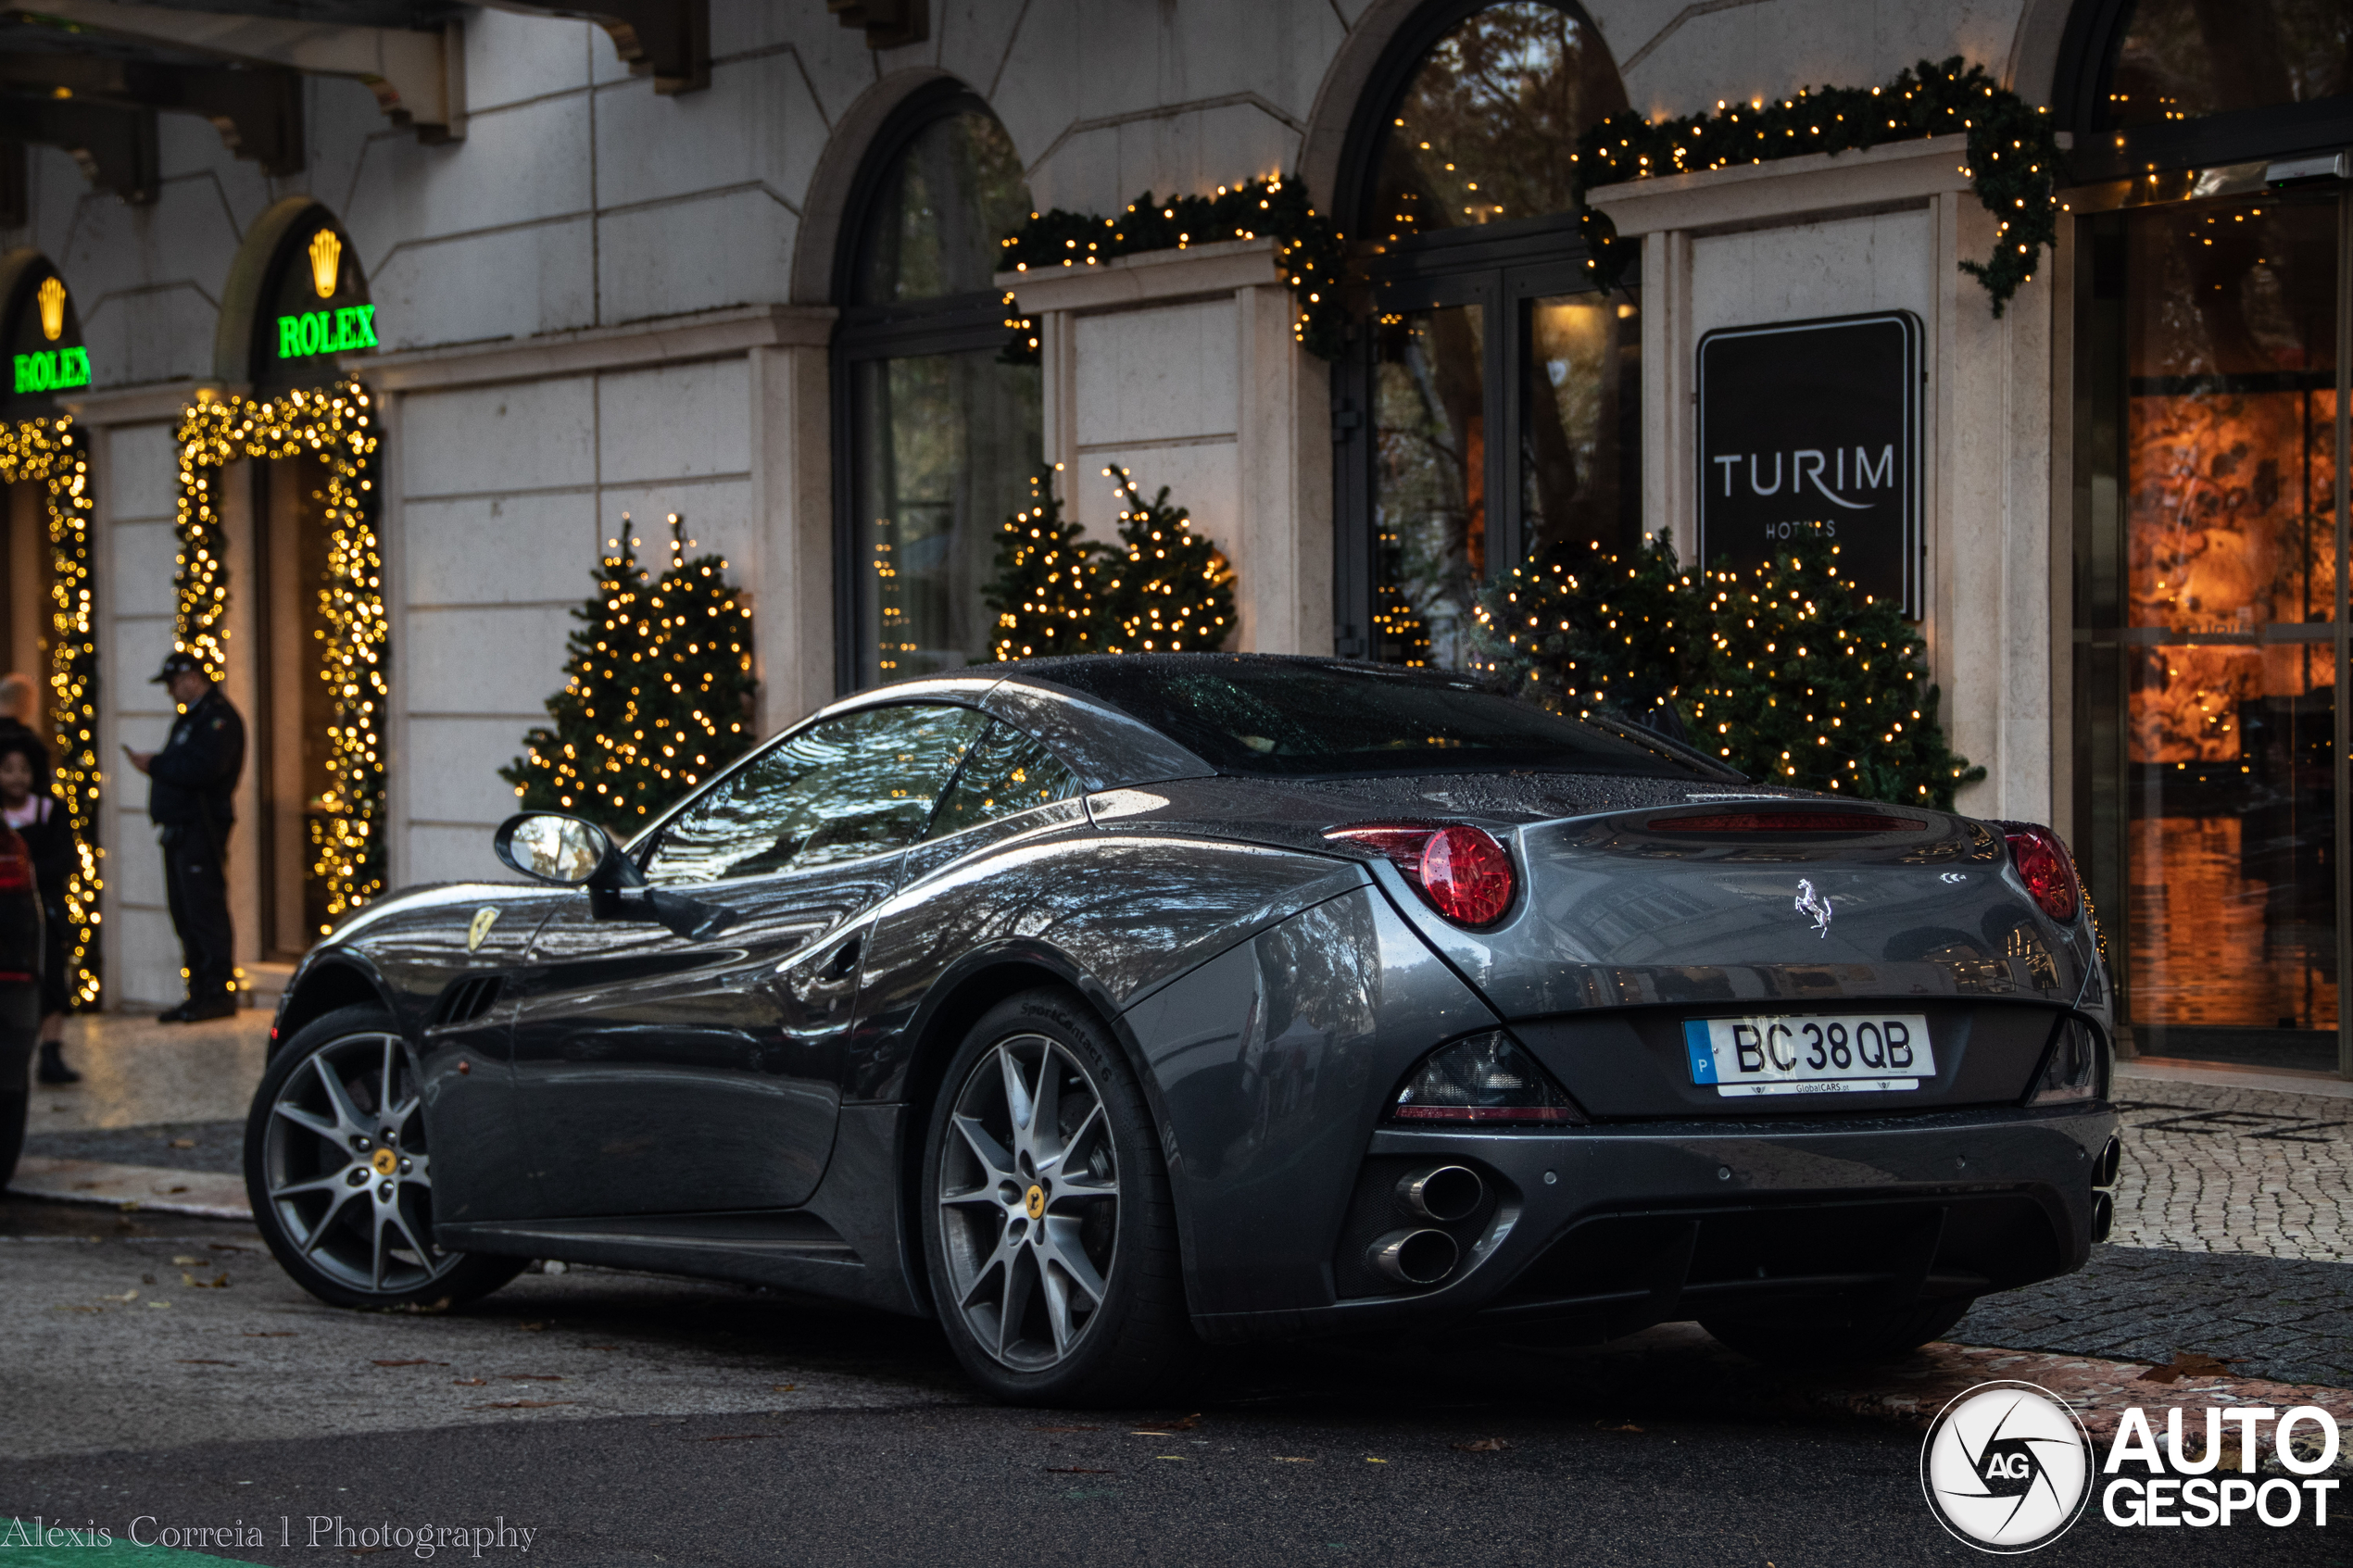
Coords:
pixel 1788 821
pixel 1463 872
pixel 2045 867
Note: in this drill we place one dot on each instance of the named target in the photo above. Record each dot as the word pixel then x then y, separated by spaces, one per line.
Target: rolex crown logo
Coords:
pixel 52 295
pixel 326 260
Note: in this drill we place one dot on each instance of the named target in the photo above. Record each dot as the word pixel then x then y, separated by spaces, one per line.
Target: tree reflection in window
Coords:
pixel 860 785
pixel 2187 59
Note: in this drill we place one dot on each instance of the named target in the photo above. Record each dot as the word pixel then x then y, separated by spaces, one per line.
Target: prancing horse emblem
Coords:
pixel 485 918
pixel 1816 904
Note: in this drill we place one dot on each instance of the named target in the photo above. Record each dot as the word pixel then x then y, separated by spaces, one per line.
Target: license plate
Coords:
pixel 1786 1055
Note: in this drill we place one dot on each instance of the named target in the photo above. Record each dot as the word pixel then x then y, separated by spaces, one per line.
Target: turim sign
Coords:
pixel 1809 436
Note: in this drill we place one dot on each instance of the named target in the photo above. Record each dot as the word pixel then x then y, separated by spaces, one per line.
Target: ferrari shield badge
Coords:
pixel 1816 904
pixel 485 918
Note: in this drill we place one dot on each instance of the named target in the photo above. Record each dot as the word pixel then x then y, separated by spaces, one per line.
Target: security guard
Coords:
pixel 192 802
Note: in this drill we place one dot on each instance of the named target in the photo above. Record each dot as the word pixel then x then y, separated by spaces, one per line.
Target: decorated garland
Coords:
pixel 2013 154
pixel 336 424
pixel 49 452
pixel 1310 255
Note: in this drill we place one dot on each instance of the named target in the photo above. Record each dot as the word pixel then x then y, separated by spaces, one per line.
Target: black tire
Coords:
pixel 1043 1216
pixel 1836 1336
pixel 347 1211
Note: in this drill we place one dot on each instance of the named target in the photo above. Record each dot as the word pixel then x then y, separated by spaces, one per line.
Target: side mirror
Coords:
pixel 568 851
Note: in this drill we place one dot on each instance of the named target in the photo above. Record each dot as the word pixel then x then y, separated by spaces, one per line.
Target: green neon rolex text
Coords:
pixel 53 369
pixel 326 332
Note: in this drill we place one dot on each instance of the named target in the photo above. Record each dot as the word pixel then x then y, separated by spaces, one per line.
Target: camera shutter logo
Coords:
pixel 2007 1468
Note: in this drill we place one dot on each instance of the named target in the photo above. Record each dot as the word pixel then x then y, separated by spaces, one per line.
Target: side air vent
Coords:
pixel 465 1000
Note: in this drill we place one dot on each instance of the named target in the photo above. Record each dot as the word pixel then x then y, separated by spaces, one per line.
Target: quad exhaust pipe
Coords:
pixel 1413 1257
pixel 1419 1255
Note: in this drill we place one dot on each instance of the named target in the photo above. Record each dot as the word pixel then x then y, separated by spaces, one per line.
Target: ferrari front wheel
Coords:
pixel 340 1175
pixel 1050 1232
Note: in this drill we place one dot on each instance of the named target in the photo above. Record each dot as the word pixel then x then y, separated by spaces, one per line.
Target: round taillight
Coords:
pixel 2043 866
pixel 1467 876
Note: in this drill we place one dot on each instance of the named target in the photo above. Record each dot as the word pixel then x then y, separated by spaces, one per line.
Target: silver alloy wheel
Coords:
pixel 346 1165
pixel 1029 1201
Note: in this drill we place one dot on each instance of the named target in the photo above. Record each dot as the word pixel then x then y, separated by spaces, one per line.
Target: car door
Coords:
pixel 656 1073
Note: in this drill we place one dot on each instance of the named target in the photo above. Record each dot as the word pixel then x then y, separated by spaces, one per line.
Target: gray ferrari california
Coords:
pixel 1107 1008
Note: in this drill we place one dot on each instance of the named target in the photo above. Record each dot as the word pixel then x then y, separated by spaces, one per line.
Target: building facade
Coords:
pixel 464 287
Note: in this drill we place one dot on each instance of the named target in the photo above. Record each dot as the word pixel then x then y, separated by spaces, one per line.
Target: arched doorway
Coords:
pixel 278 508
pixel 48 628
pixel 1490 405
pixel 936 435
pixel 2214 293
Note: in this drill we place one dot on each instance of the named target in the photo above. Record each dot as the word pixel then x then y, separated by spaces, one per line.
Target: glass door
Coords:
pixel 2211 569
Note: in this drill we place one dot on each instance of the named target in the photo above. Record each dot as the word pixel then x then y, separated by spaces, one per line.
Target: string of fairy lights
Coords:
pixel 338 424
pixel 1311 255
pixel 50 452
pixel 2013 154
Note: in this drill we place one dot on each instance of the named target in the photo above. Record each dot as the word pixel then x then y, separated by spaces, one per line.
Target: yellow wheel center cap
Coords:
pixel 385 1162
pixel 1035 1203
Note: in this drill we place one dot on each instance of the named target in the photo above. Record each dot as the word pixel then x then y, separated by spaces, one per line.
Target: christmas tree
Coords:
pixel 1790 674
pixel 1043 592
pixel 657 694
pixel 1163 588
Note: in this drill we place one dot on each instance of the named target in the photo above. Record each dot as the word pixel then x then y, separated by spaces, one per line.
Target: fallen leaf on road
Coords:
pixel 413 1363
pixel 782 1387
pixel 187 1260
pixel 167 1191
pixel 195 1363
pixel 218 1281
pixel 530 1376
pixel 1286 1459
pixel 1629 1427
pixel 158 1306
pixel 2189 1363
pixel 470 1382
pixel 520 1405
pixel 422 1309
pixel 126 1295
pixel 183 1143
pixel 77 1307
pixel 1484 1446
pixel 1370 1459
pixel 1076 1470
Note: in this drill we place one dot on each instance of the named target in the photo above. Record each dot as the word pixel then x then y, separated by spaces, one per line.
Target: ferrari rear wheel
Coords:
pixel 340 1177
pixel 1049 1232
pixel 1833 1336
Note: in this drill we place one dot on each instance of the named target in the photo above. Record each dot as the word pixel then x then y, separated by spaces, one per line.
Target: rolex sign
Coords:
pixel 1809 436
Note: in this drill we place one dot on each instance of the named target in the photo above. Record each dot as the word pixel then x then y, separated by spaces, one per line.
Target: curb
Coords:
pixel 203 1193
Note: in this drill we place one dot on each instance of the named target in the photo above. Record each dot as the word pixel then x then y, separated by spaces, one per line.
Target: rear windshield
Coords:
pixel 1293 720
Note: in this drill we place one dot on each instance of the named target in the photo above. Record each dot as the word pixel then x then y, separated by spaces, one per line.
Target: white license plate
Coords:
pixel 1858 1053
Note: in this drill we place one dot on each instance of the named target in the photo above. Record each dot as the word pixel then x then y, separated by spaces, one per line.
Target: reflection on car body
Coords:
pixel 1103 1007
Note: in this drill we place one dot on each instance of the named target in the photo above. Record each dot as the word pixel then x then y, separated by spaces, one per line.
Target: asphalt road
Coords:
pixel 628 1420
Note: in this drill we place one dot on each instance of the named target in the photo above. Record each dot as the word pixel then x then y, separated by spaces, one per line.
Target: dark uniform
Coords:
pixel 192 801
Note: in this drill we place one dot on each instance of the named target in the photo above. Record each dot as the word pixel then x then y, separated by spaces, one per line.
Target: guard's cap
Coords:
pixel 178 662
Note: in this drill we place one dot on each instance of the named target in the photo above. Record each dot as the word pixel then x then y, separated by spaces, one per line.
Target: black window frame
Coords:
pixel 863 333
pixel 1500 267
pixel 2079 87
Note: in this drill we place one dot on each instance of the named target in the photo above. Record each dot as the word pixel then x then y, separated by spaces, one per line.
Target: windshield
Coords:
pixel 1307 718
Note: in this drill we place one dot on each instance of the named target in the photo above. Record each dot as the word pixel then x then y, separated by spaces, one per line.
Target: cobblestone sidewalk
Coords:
pixel 2212 1169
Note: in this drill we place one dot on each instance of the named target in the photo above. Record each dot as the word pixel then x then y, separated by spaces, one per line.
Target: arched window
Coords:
pixel 940 435
pixel 1490 408
pixel 2162 84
